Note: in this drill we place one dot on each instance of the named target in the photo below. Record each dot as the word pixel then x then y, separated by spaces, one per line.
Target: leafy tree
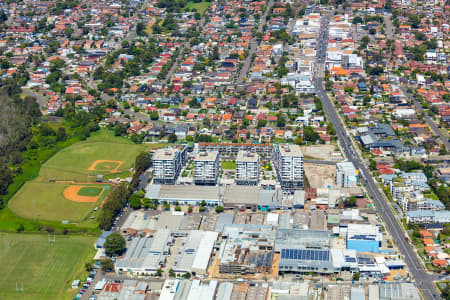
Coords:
pixel 357 20
pixel 356 276
pixel 135 201
pixel 261 123
pixel 219 209
pixel 88 267
pixel 114 244
pixel 107 265
pixel 154 115
pixel 298 141
pixel 171 273
pixel 281 122
pixel 310 135
pixel 140 29
pixel 172 138
pixel 350 201
pixel 143 161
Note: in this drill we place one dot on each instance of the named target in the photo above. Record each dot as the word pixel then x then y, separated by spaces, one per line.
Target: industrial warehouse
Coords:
pixel 257 244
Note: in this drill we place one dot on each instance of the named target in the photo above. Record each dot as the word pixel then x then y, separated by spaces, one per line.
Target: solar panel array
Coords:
pixel 350 259
pixel 304 254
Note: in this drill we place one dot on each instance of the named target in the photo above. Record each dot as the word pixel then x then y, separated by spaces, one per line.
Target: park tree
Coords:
pixel 143 161
pixel 135 201
pixel 114 244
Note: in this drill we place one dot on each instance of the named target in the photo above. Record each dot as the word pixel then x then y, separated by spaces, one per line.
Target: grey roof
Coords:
pixel 398 291
pixel 382 129
pixel 357 293
pixel 225 290
pixel 224 219
pixel 207 156
pixel 369 139
pixel 284 221
pixel 182 192
pixel 101 240
pixel 241 194
pixel 290 238
pixel 270 197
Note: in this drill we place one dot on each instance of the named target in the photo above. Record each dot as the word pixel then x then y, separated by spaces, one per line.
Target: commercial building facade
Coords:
pixel 167 164
pixel 207 168
pixel 247 168
pixel 346 175
pixel 288 163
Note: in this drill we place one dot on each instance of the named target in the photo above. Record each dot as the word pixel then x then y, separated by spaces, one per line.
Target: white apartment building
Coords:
pixel 247 168
pixel 288 164
pixel 167 164
pixel 207 168
pixel 346 175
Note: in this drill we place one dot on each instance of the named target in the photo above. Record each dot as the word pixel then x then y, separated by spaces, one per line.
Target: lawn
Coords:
pixel 228 165
pixel 45 269
pixel 45 201
pixel 201 7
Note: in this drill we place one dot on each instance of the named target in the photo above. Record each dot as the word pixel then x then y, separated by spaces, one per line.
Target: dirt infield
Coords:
pixel 71 193
pixel 118 163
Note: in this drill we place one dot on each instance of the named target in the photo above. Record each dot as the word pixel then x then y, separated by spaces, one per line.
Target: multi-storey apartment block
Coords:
pixel 207 168
pixel 288 164
pixel 167 164
pixel 247 168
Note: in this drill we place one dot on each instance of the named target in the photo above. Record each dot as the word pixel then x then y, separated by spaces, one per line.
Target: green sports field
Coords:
pixel 46 201
pixel 74 162
pixel 90 191
pixel 45 269
pixel 103 153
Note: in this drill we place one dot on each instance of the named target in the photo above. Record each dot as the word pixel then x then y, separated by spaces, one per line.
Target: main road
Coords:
pixel 424 281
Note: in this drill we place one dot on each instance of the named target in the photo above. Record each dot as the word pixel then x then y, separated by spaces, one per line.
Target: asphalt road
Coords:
pixel 253 45
pixel 41 100
pixel 424 281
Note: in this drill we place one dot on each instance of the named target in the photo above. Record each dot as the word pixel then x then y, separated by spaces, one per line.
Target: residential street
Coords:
pixel 253 46
pixel 427 118
pixel 424 280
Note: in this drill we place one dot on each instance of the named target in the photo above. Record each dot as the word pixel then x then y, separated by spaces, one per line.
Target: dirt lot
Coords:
pixel 323 152
pixel 320 176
